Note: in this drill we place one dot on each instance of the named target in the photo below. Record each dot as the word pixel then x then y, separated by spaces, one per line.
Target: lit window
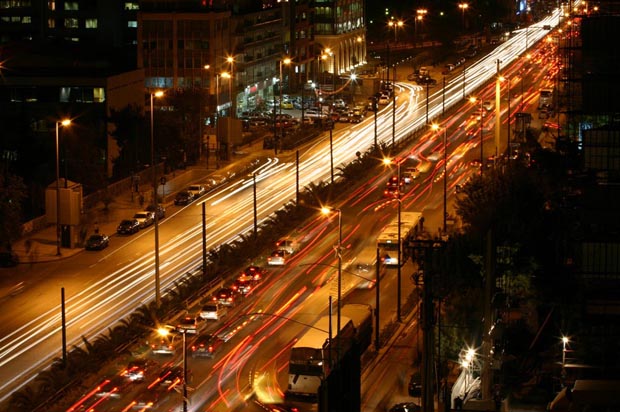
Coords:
pixel 51 23
pixel 72 5
pixel 130 5
pixel 51 4
pixel 71 23
pixel 98 94
pixel 90 23
pixel 132 24
pixel 26 20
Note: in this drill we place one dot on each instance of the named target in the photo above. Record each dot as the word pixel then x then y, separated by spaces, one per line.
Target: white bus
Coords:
pixel 388 242
pixel 309 361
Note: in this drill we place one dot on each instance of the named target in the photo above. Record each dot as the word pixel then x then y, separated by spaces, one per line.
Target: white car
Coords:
pixel 277 258
pixel 196 190
pixel 287 244
pixel 384 99
pixel 144 218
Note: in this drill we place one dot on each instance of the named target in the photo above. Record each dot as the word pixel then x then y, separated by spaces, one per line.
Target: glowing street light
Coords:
pixel 463 7
pixel 157 94
pixel 328 211
pixel 63 123
pixel 165 332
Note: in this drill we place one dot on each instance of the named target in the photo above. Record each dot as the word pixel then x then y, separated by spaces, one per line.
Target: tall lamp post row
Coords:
pixel 64 123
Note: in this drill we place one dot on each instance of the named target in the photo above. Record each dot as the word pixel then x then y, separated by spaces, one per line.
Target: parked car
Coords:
pixel 405 407
pixel 415 385
pixel 384 99
pixel 128 227
pixel 8 259
pixel 197 190
pixel 160 211
pixel 225 297
pixel 206 346
pixel 183 198
pixel 212 311
pixel 144 218
pixel 286 105
pixel 277 258
pixel 97 242
pixel 426 80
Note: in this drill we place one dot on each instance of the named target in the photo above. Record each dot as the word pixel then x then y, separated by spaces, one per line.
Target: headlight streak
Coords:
pixel 126 280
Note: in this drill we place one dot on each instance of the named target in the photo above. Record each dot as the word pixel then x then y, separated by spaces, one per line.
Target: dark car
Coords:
pixel 8 259
pixel 160 211
pixel 97 242
pixel 183 198
pixel 128 227
pixel 415 385
pixel 405 407
pixel 225 296
pixel 171 377
pixel 206 346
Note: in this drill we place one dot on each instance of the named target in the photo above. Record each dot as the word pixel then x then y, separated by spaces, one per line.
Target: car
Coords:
pixel 8 259
pixel 212 311
pixel 426 80
pixel 163 346
pixel 406 407
pixel 128 227
pixel 288 244
pixel 225 297
pixel 391 191
pixel 434 156
pixel 487 105
pixel 188 324
pixel 393 182
pixel 136 370
pixel 356 118
pixel 286 105
pixel 196 190
pixel 244 284
pixel 415 384
pixel 97 241
pixel 183 198
pixel 206 346
pixel 277 257
pixel 410 174
pixel 171 376
pixel 111 388
pixel 145 400
pixel 144 218
pixel 447 69
pixel 384 100
pixel 158 211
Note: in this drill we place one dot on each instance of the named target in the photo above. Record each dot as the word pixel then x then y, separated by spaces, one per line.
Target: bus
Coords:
pixel 309 360
pixel 364 265
pixel 388 242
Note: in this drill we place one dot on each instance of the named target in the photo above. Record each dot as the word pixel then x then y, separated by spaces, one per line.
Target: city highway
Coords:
pixel 104 288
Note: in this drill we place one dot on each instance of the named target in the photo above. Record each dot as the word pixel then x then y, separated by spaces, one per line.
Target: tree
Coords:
pixel 130 135
pixel 12 193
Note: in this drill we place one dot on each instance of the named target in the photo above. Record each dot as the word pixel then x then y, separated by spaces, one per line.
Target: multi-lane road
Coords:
pixel 104 288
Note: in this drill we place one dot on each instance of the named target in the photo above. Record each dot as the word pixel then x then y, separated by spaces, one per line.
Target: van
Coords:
pixel 212 311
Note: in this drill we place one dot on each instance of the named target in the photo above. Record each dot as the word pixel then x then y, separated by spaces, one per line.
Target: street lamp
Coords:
pixel 158 93
pixel 474 100
pixel 165 332
pixel 286 61
pixel 435 128
pixel 463 7
pixel 565 340
pixel 388 161
pixel 64 123
pixel 395 25
pixel 327 211
pixel 231 61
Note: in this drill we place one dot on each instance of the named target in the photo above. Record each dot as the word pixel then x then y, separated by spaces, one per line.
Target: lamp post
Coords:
pixel 327 211
pixel 64 123
pixel 463 7
pixel 158 93
pixel 231 61
pixel 165 332
pixel 395 25
pixel 388 161
pixel 436 127
pixel 565 340
pixel 474 100
pixel 286 61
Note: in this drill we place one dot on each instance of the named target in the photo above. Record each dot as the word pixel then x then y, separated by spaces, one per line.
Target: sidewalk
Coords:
pixel 41 246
